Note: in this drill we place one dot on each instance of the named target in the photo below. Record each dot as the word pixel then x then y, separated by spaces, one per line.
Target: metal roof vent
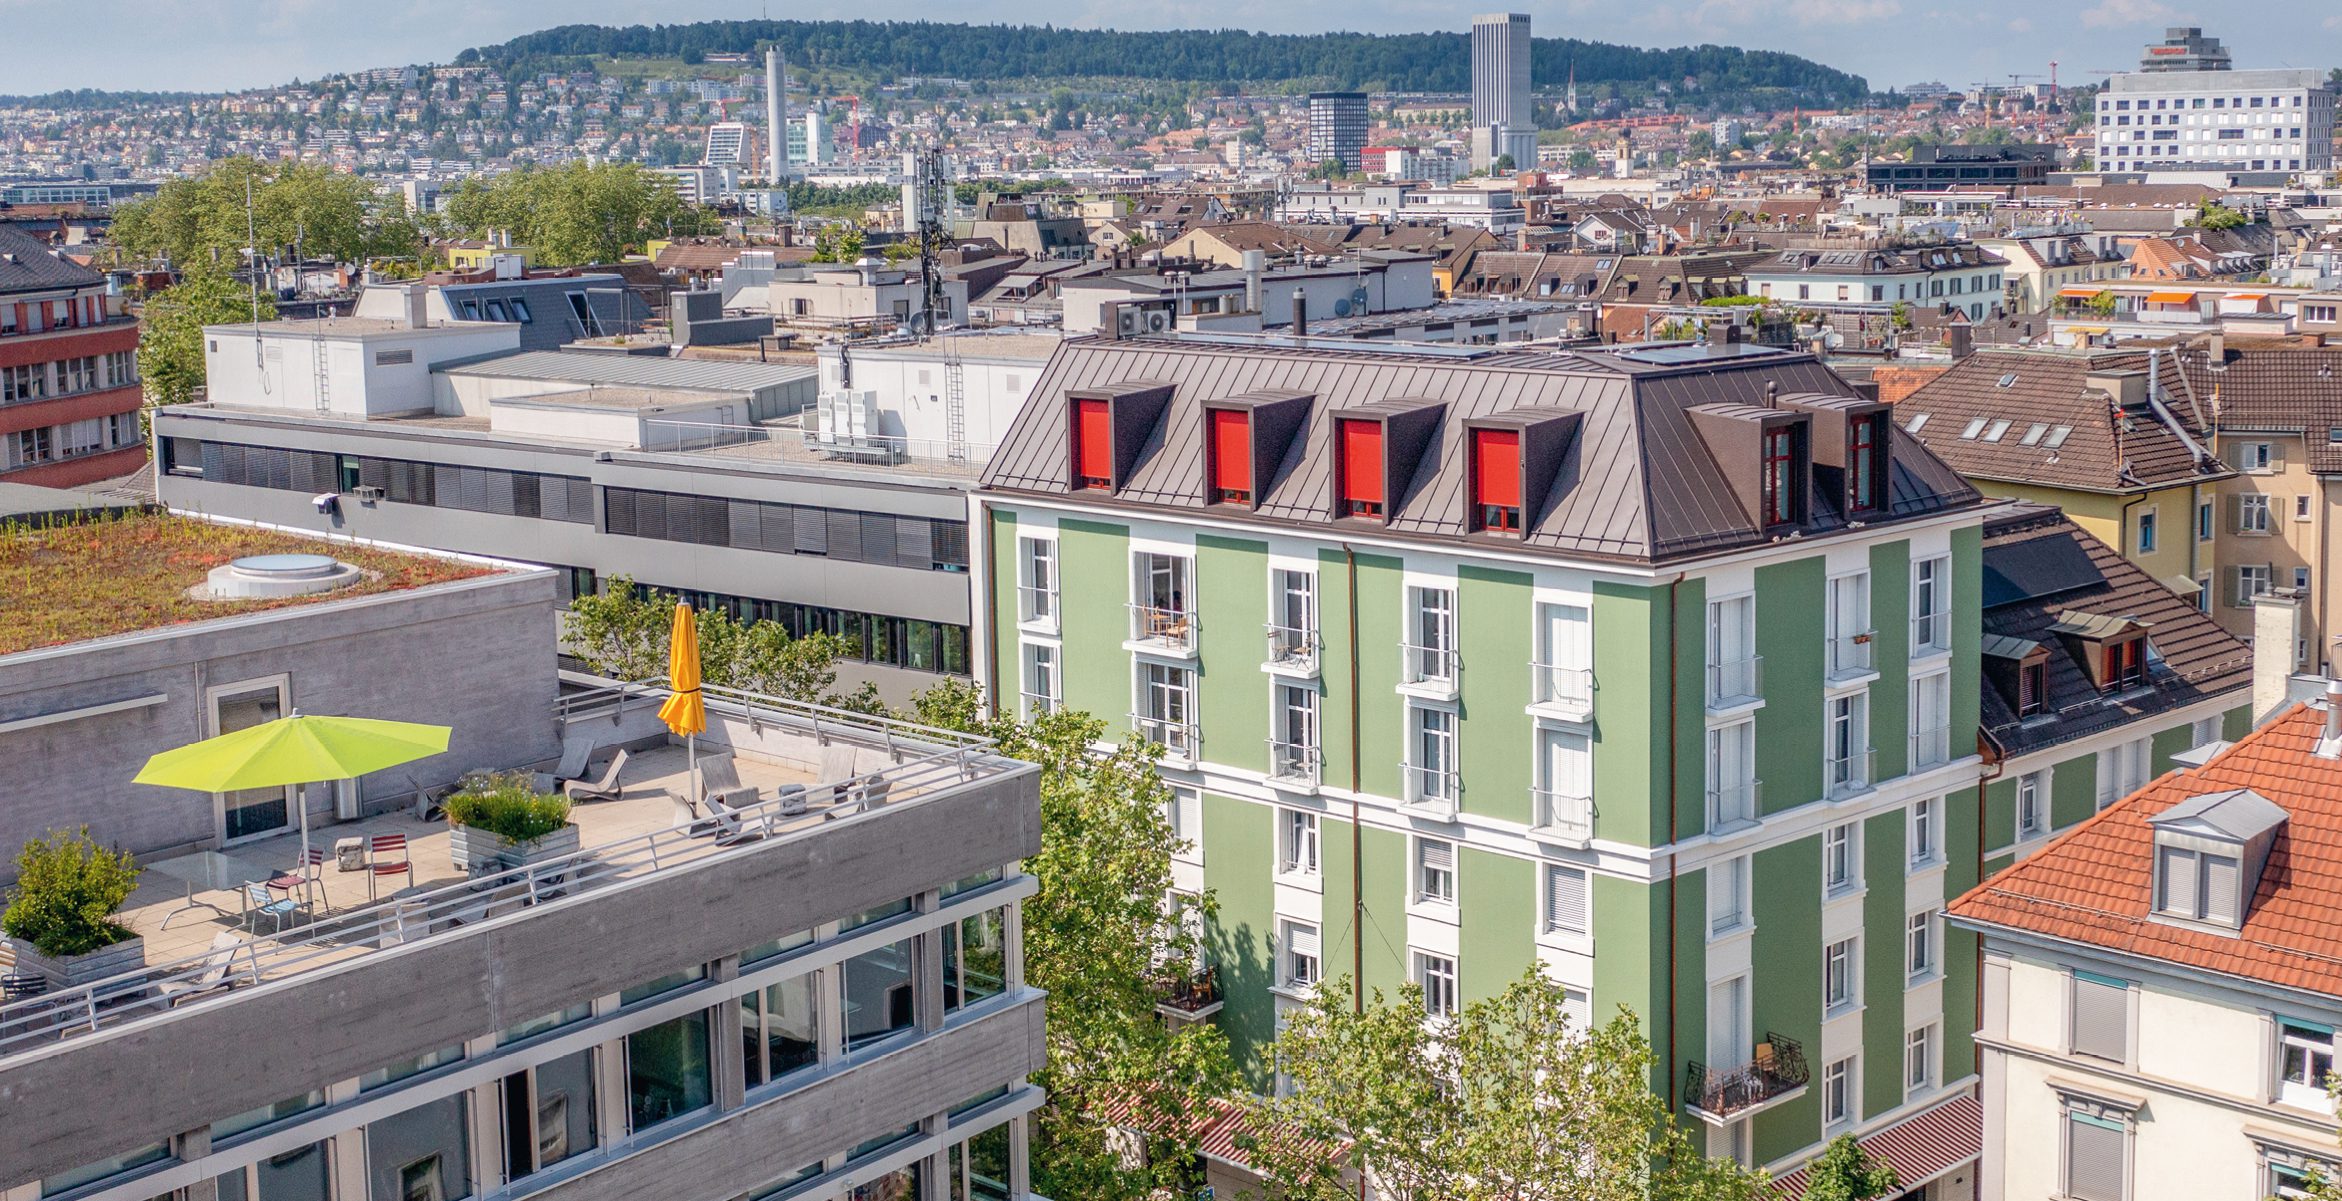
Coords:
pixel 264 577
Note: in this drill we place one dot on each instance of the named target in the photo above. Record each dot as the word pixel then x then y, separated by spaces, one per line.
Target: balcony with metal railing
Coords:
pixel 1775 1072
pixel 1178 737
pixel 1431 792
pixel 1432 669
pixel 1295 764
pixel 1734 804
pixel 1291 650
pixel 1566 692
pixel 1931 634
pixel 1847 774
pixel 1736 683
pixel 1163 629
pixel 1849 656
pixel 1037 606
pixel 1187 993
pixel 1562 817
pixel 1931 747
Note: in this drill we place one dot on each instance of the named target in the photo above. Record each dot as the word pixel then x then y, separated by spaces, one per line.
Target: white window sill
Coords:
pixel 1743 929
pixel 1844 893
pixel 1922 866
pixel 1444 912
pixel 1573 941
pixel 1923 979
pixel 1307 881
pixel 1841 1011
pixel 1430 690
pixel 1301 994
pixel 1731 826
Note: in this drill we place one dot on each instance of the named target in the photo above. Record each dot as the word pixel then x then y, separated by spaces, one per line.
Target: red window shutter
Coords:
pixel 1093 445
pixel 1231 452
pixel 1361 461
pixel 1496 469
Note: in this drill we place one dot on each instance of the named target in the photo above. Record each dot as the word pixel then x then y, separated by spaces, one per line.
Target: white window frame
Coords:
pixel 1931 745
pixel 1428 654
pixel 1299 850
pixel 1848 758
pixel 1842 977
pixel 1842 847
pixel 1039 597
pixel 2032 798
pixel 1734 669
pixel 1421 775
pixel 1931 606
pixel 1178 681
pixel 1922 958
pixel 1846 618
pixel 1550 886
pixel 1185 813
pixel 1925 826
pixel 1041 672
pixel 1564 673
pixel 2310 1094
pixel 1434 885
pixel 1293 597
pixel 1919 1074
pixel 1744 790
pixel 1288 957
pixel 1437 976
pixel 2252 513
pixel 1732 871
pixel 1840 1099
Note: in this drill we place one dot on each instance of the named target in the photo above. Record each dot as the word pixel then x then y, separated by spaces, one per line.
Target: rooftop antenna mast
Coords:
pixel 932 184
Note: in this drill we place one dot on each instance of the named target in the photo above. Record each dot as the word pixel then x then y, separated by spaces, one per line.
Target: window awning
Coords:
pixel 2171 298
pixel 2079 293
pixel 2183 585
pixel 1924 1147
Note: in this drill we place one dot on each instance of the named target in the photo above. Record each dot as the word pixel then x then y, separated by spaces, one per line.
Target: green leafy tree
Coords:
pixel 577 212
pixel 1845 1172
pixel 2216 216
pixel 1506 1100
pixel 623 634
pixel 1503 164
pixel 1097 937
pixel 1581 160
pixel 838 243
pixel 170 332
pixel 68 889
pixel 192 222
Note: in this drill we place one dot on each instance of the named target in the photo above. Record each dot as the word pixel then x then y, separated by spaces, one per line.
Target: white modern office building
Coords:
pixel 1501 121
pixel 2212 118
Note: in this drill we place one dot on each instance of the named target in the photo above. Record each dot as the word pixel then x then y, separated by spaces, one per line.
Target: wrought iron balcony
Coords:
pixel 1293 763
pixel 1186 992
pixel 1563 815
pixel 1774 1073
pixel 1292 649
pixel 1163 627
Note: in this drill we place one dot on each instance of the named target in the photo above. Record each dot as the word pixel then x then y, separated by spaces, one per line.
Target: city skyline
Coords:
pixel 1889 42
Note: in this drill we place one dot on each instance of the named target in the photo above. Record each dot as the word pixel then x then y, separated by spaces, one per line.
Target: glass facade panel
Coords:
pixel 879 996
pixel 423 1154
pixel 667 1071
pixel 975 959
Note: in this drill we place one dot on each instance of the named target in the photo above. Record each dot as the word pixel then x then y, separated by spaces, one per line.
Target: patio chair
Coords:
pixel 718 775
pixel 838 761
pixel 217 974
pixel 733 826
pixel 18 986
pixel 387 855
pixel 604 787
pixel 260 901
pixel 577 751
pixel 790 801
pixel 874 789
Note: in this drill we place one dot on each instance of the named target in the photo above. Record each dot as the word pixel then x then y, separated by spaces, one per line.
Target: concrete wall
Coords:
pixel 390 656
pixel 284 374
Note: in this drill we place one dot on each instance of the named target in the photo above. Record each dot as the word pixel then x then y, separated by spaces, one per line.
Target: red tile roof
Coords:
pixel 2093 884
pixel 1922 1147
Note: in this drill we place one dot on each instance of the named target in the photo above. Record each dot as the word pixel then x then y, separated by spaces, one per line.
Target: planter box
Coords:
pixel 76 970
pixel 467 846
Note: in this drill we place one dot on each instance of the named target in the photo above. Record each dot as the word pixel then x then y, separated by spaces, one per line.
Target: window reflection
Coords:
pixel 667 1071
pixel 778 1030
pixel 975 959
pixel 879 996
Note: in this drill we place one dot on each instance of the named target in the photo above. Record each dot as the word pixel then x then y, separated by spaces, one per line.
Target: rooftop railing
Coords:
pixel 922 760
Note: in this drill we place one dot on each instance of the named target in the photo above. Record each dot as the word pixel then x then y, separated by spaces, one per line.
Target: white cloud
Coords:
pixel 2021 25
pixel 2109 13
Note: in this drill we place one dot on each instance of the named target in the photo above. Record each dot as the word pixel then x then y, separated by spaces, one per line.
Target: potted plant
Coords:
pixel 60 916
pixel 502 817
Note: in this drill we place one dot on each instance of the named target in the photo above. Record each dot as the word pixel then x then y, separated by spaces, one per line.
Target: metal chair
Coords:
pixel 387 855
pixel 260 901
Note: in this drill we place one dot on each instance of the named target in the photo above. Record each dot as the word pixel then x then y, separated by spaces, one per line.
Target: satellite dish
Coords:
pixel 1358 300
pixel 1342 307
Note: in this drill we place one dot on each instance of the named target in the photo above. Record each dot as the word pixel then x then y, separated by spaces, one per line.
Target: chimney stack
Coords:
pixel 2333 713
pixel 1256 262
pixel 418 298
pixel 1300 314
pixel 2276 631
pixel 1963 341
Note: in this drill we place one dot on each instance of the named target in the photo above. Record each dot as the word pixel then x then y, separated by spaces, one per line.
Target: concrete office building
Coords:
pixel 1502 123
pixel 694 476
pixel 820 996
pixel 1337 128
pixel 2186 109
pixel 727 145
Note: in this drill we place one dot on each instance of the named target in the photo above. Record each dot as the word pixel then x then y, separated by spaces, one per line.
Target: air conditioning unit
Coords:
pixel 367 492
pixel 1127 321
pixel 1158 321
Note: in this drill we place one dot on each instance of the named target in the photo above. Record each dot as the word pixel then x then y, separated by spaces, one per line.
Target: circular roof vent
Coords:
pixel 264 576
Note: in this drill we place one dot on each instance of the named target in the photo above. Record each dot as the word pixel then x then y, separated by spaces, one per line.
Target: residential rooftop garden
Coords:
pixel 117 575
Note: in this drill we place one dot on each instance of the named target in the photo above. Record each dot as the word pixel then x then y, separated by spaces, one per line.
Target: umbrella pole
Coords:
pixel 304 869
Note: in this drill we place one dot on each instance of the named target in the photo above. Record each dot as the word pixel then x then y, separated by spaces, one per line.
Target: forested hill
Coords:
pixel 1404 62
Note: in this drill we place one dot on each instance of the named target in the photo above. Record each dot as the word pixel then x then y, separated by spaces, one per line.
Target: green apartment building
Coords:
pixel 1657 667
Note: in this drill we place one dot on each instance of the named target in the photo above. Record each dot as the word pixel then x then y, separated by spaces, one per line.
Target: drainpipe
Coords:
pixel 991 576
pixel 1357 828
pixel 1999 766
pixel 1674 723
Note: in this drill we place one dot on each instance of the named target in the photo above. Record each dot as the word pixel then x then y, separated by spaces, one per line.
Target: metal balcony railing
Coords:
pixel 1295 763
pixel 1437 666
pixel 1568 687
pixel 1168 628
pixel 1776 1069
pixel 1931 633
pixel 1292 648
pixel 1431 791
pixel 1178 736
pixel 1844 775
pixel 1849 654
pixel 1036 605
pixel 1931 747
pixel 1193 992
pixel 1734 681
pixel 1038 703
pixel 1563 814
pixel 1728 803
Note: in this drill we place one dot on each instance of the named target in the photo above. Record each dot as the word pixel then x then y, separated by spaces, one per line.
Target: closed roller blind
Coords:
pixel 2095 1150
pixel 2102 1014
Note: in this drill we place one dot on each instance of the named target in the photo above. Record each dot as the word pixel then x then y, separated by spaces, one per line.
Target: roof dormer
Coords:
pixel 2209 854
pixel 1853 450
pixel 1106 429
pixel 1377 448
pixel 2114 650
pixel 1245 438
pixel 1767 458
pixel 1512 461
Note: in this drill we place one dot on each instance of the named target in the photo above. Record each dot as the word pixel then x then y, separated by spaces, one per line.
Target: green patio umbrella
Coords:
pixel 294 750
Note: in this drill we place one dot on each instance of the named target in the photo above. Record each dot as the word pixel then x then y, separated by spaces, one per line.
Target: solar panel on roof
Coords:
pixel 2033 434
pixel 2037 567
pixel 1999 430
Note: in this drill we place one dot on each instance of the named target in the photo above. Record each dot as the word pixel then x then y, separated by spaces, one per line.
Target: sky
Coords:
pixel 218 45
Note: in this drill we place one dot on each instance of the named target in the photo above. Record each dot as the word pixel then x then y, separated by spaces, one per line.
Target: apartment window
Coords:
pixel 1866 477
pixel 1358 484
pixel 2252 513
pixel 1230 450
pixel 1918 1060
pixel 1293 741
pixel 2100 1020
pixel 1431 646
pixel 1043 688
pixel 1848 750
pixel 2147 532
pixel 2122 770
pixel 2252 579
pixel 1093 445
pixel 2256 456
pixel 1782 482
pixel 1297 843
pixel 2033 688
pixel 1167 707
pixel 1841 968
pixel 2122 665
pixel 24 383
pixel 1185 814
pixel 421 1152
pixel 975 962
pixel 1293 636
pixel 1931 605
pixel 1300 957
pixel 1931 720
pixel 1565 655
pixel 1732 786
pixel 1849 625
pixel 1727 895
pixel 1037 580
pixel 1732 658
pixel 1432 743
pixel 2032 812
pixel 2305 1058
pixel 1566 899
pixel 1838 1092
pixel 880 994
pixel 1841 859
pixel 1919 946
pixel 1496 480
pixel 1436 976
pixel 2198 885
pixel 1925 837
pixel 1435 872
pixel 548 1116
pixel 2301 508
pixel 1160 612
pixel 2097 1157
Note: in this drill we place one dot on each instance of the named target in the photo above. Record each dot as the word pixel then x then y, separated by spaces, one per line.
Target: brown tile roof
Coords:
pixel 2093 884
pixel 2103 449
pixel 2289 390
pixel 2040 567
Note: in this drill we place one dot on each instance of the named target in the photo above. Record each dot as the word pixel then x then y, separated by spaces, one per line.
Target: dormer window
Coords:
pixel 1093 445
pixel 1229 450
pixel 2209 853
pixel 1496 480
pixel 1783 493
pixel 2123 664
pixel 2033 687
pixel 1866 475
pixel 1358 482
pixel 2195 885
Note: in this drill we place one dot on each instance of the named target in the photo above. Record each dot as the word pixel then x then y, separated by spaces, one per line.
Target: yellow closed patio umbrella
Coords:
pixel 686 711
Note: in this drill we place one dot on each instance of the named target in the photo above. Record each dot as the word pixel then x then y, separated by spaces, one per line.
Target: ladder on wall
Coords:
pixel 955 403
pixel 319 352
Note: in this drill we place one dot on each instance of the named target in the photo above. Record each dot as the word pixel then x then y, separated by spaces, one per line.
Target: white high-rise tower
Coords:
pixel 1502 123
pixel 776 116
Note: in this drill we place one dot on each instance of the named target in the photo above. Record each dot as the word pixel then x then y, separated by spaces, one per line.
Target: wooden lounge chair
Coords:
pixel 604 787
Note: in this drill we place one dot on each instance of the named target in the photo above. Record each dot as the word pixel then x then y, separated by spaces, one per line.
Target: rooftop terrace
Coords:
pixel 96 579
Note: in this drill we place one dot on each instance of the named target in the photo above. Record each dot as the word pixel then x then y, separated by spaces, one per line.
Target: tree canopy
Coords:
pixel 577 212
pixel 301 207
pixel 622 632
pixel 170 331
pixel 1406 62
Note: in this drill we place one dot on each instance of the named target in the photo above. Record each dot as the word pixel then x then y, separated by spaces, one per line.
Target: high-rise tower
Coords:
pixel 776 116
pixel 1501 121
